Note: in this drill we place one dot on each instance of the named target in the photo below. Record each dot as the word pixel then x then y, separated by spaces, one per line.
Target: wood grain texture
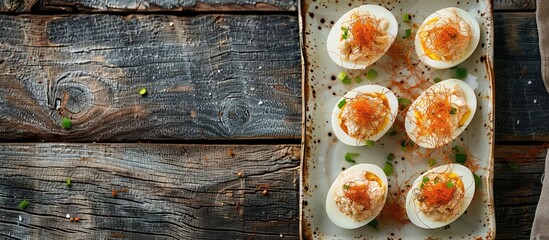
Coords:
pixel 171 5
pixel 515 5
pixel 522 103
pixel 517 187
pixel 218 5
pixel 207 77
pixel 17 5
pixel 163 191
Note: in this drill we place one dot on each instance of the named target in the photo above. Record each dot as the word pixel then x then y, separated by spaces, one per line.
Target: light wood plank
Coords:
pixel 517 187
pixel 164 191
pixel 207 77
pixel 522 103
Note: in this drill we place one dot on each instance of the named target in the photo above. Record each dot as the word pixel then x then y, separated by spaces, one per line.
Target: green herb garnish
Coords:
pixel 404 102
pixel 461 158
pixel 358 79
pixel 66 123
pixel 143 91
pixel 425 179
pixel 432 162
pixel 437 80
pixel 344 78
pixel 407 33
pixel 461 73
pixel 406 17
pixel 346 187
pixel 390 157
pixel 24 204
pixel 371 74
pixel 388 168
pixel 449 184
pixel 478 179
pixel 341 103
pixel 453 110
pixel 370 143
pixel 344 32
pixel 349 157
pixel 68 182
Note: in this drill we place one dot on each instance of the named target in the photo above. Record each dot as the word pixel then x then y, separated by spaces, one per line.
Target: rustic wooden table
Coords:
pixel 212 151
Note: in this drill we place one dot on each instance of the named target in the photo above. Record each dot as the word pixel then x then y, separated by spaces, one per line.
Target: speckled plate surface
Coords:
pixel 323 156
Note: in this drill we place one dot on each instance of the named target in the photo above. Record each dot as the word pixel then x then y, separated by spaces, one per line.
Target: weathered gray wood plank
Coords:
pixel 515 5
pixel 207 77
pixel 171 5
pixel 522 103
pixel 163 191
pixel 517 187
pixel 218 5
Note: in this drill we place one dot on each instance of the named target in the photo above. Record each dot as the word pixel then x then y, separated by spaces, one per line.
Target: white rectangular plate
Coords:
pixel 324 155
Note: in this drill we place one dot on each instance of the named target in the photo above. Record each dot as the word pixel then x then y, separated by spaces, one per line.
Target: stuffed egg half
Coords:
pixel 447 38
pixel 440 113
pixel 440 196
pixel 364 114
pixel 357 196
pixel 361 36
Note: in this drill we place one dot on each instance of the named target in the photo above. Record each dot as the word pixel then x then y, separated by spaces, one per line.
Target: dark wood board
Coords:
pixel 517 187
pixel 207 77
pixel 515 5
pixel 191 5
pixel 522 103
pixel 164 191
pixel 170 188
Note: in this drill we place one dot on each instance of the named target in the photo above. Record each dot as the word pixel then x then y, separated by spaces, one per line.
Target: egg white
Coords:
pixel 335 33
pixel 393 108
pixel 335 215
pixel 412 205
pixel 441 64
pixel 426 141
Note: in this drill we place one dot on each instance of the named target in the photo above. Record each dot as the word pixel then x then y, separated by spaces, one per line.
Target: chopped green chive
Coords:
pixel 370 143
pixel 373 223
pixel 24 204
pixel 143 91
pixel 461 158
pixel 437 80
pixel 422 185
pixel 407 33
pixel 344 32
pixel 406 17
pixel 388 168
pixel 66 123
pixel 478 179
pixel 458 149
pixel 346 187
pixel 358 79
pixel 424 179
pixel 437 179
pixel 449 184
pixel 371 74
pixel 404 102
pixel 390 157
pixel 461 73
pixel 344 78
pixel 432 162
pixel 349 157
pixel 453 110
pixel 68 182
pixel 341 103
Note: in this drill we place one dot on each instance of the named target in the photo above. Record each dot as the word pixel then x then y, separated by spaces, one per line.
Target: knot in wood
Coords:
pixel 236 115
